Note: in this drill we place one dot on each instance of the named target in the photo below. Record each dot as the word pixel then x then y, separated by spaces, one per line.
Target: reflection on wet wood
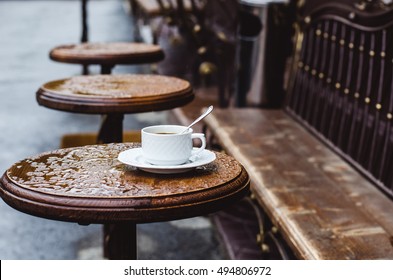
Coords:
pixel 89 184
pixel 95 171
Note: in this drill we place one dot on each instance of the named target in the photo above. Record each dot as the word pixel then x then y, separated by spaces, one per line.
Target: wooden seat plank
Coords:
pixel 322 206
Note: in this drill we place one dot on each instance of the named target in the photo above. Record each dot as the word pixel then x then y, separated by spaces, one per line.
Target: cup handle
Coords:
pixel 200 136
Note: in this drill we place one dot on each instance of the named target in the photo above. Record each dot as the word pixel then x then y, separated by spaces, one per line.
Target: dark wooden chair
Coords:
pixel 321 168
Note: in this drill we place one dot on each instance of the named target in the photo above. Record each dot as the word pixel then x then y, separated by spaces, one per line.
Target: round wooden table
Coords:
pixel 89 185
pixel 107 55
pixel 113 96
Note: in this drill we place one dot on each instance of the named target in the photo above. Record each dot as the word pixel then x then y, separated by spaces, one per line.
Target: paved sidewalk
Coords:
pixel 28 30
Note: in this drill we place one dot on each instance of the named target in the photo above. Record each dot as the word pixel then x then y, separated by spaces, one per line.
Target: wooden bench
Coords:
pixel 321 168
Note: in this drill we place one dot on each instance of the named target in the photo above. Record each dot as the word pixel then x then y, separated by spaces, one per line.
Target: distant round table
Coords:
pixel 107 55
pixel 89 185
pixel 113 96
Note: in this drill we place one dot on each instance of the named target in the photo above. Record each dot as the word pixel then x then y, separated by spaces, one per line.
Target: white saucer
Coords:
pixel 135 158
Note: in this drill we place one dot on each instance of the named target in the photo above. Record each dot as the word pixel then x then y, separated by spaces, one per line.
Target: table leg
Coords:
pixel 111 130
pixel 120 241
pixel 106 69
pixel 85 35
pixel 84 22
pixel 136 18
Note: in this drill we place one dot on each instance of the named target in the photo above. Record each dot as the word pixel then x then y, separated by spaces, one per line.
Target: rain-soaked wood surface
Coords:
pixel 321 205
pixel 114 96
pixel 127 93
pixel 111 54
pixel 89 185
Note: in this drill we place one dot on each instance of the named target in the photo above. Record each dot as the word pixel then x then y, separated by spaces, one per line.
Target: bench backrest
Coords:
pixel 342 81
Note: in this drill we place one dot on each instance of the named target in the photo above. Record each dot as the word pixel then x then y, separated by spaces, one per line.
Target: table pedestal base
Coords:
pixel 120 241
pixel 111 130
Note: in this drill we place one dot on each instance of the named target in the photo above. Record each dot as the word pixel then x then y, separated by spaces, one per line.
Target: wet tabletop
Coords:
pixel 89 185
pixel 115 48
pixel 119 86
pixel 107 53
pixel 125 93
pixel 95 171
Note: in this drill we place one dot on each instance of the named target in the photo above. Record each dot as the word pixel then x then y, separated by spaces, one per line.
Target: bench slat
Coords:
pixel 322 206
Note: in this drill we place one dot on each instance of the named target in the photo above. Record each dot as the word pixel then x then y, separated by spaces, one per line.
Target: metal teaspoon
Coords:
pixel 207 112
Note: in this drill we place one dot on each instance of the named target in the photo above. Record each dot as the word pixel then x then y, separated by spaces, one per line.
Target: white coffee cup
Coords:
pixel 167 145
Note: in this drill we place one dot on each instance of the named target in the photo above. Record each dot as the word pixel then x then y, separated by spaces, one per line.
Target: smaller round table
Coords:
pixel 113 96
pixel 107 55
pixel 89 185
